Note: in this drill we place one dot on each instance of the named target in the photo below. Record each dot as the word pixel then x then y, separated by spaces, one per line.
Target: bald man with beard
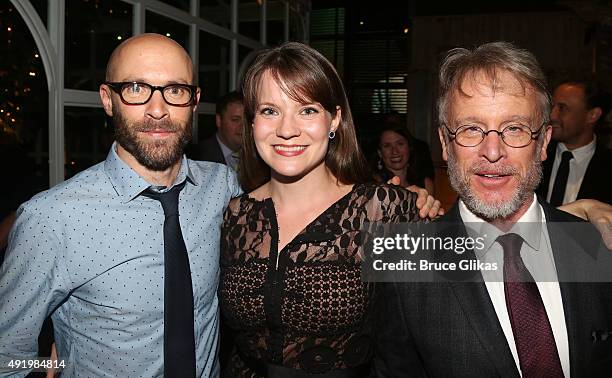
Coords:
pixel 129 295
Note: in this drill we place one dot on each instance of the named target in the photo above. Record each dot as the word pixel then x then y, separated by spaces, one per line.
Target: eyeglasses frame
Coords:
pixel 118 86
pixel 534 135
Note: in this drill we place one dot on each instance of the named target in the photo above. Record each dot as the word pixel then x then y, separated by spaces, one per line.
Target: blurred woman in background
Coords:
pixel 396 158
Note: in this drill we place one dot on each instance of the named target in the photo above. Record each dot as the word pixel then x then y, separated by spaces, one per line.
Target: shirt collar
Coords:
pixel 224 149
pixel 128 184
pixel 529 227
pixel 579 153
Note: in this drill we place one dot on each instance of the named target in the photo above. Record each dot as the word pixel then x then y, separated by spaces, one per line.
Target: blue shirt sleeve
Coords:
pixel 32 284
pixel 233 184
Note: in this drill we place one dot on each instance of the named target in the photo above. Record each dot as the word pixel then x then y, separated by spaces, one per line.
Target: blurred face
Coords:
pixel 570 117
pixel 495 181
pixel 153 134
pixel 393 150
pixel 229 125
pixel 291 137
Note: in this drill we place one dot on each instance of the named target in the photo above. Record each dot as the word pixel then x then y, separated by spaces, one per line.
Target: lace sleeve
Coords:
pixel 393 204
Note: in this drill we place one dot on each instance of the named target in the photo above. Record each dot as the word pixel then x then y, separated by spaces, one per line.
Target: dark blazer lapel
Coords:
pixel 564 249
pixel 476 304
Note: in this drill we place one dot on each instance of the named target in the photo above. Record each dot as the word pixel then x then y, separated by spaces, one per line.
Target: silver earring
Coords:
pixel 332 134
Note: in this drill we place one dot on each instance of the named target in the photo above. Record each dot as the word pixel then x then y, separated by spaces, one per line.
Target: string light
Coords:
pixel 167 34
pixel 32 73
pixel 119 37
pixel 35 55
pixel 9 29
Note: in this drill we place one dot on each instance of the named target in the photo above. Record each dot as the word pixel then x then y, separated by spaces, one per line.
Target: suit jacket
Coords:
pixel 209 150
pixel 597 181
pixel 451 329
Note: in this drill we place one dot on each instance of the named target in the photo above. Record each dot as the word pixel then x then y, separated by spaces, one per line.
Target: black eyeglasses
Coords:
pixel 135 93
pixel 516 136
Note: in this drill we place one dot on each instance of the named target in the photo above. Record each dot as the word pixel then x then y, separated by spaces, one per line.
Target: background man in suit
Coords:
pixel 225 144
pixel 577 164
pixel 493 110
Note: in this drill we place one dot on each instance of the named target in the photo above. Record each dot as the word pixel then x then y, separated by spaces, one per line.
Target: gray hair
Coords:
pixel 488 59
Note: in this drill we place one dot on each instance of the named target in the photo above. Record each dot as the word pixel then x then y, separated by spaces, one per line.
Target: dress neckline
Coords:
pixel 269 203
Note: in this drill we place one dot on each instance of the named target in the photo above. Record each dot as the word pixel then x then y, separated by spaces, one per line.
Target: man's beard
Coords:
pixel 156 155
pixel 499 209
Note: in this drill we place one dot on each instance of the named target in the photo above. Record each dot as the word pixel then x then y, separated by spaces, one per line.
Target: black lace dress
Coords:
pixel 306 307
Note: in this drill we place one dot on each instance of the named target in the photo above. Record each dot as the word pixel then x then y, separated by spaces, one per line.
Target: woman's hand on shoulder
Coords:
pixel 428 206
pixel 596 212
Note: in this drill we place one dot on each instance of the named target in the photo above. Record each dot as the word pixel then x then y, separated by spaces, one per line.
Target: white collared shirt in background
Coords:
pixel 537 255
pixel 577 168
pixel 228 154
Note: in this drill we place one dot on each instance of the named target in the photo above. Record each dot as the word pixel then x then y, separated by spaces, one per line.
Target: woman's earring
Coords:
pixel 332 134
pixel 379 165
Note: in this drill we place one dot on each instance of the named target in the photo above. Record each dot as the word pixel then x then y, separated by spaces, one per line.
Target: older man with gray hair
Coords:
pixel 494 128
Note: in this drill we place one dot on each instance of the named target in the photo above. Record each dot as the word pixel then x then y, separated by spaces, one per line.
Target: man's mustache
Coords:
pixel 164 125
pixel 500 169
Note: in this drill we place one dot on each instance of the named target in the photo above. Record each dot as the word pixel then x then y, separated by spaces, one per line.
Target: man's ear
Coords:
pixel 443 142
pixel 547 135
pixel 218 120
pixel 593 115
pixel 107 101
pixel 196 100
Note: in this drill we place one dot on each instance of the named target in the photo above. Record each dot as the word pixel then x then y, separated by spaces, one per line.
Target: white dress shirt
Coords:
pixel 537 255
pixel 577 168
pixel 228 154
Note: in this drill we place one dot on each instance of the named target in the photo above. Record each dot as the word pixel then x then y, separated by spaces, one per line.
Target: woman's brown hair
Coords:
pixel 305 76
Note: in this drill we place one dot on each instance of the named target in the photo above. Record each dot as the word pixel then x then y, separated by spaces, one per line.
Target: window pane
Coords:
pixel 245 58
pixel 93 30
pixel 24 122
pixel 168 27
pixel 217 11
pixel 89 135
pixel 249 17
pixel 275 23
pixel 214 66
pixel 297 30
pixel 180 4
pixel 41 7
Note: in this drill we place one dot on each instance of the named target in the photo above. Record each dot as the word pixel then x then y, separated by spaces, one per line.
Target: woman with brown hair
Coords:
pixel 397 156
pixel 291 249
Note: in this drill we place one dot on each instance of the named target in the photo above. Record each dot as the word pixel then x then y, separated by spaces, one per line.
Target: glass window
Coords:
pixel 93 30
pixel 181 4
pixel 42 8
pixel 245 58
pixel 156 23
pixel 214 67
pixel 24 119
pixel 275 23
pixel 217 11
pixel 89 135
pixel 249 18
pixel 297 30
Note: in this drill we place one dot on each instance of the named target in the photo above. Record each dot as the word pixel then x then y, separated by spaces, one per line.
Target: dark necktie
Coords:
pixel 535 342
pixel 179 343
pixel 558 192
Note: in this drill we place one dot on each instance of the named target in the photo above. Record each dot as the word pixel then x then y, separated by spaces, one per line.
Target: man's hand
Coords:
pixel 427 205
pixel 598 213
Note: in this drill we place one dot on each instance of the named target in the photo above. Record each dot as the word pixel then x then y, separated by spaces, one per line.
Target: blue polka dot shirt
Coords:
pixel 90 252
